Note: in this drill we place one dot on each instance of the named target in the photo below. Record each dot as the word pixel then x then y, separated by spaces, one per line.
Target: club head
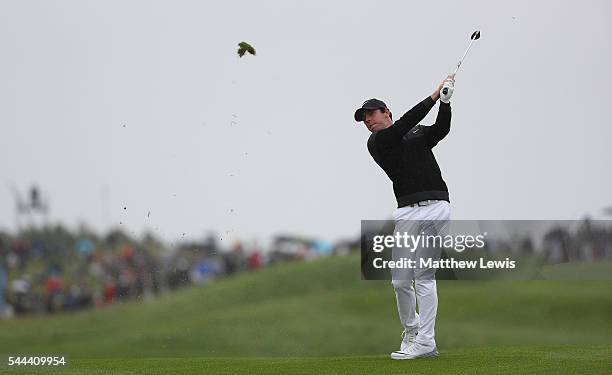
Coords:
pixel 475 35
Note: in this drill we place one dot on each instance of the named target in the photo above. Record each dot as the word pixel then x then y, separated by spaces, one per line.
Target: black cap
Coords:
pixel 368 105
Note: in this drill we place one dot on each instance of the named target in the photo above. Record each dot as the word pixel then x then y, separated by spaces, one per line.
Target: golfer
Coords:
pixel 403 149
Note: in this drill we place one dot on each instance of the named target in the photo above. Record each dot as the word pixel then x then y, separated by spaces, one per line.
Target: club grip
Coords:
pixel 447 91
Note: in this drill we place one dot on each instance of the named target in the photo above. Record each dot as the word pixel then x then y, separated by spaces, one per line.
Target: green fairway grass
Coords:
pixel 324 309
pixel 511 360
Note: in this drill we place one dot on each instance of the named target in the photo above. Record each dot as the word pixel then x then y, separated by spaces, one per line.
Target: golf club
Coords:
pixel 447 90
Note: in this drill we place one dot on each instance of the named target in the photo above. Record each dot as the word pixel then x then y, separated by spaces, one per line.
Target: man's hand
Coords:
pixel 436 94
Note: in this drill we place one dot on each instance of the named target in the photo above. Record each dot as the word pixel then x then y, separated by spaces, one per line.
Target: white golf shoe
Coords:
pixel 408 338
pixel 416 350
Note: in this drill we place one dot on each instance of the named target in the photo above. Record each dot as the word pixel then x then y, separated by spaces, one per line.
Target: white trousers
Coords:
pixel 432 219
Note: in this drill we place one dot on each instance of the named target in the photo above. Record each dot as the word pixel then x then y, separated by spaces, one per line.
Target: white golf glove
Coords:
pixel 447 91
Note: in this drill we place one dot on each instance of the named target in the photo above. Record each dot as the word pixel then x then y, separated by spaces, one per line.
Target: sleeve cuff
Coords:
pixel 444 107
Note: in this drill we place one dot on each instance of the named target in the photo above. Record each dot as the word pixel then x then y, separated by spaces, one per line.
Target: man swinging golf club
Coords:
pixel 404 151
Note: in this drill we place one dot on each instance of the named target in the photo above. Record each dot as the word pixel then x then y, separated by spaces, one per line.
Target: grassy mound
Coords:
pixel 322 308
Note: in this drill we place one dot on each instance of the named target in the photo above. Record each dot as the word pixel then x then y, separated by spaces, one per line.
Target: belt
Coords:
pixel 424 203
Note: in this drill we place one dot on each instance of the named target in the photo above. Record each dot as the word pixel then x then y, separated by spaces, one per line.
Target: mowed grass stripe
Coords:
pixel 510 360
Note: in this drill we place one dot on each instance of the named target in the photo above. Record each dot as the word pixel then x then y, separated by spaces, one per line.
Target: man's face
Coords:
pixel 377 119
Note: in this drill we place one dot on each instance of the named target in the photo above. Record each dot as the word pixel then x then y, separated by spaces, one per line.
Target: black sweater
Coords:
pixel 403 151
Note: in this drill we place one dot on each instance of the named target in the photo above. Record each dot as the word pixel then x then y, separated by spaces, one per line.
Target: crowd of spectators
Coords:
pixel 53 270
pixel 562 242
pixel 590 241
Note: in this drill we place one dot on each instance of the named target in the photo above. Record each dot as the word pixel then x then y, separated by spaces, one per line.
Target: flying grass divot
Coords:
pixel 244 47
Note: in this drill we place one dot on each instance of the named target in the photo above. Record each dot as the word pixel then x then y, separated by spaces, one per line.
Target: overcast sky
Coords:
pixel 146 105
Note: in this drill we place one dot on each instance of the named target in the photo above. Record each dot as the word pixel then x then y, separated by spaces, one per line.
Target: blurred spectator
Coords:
pixel 55 294
pixel 3 286
pixel 206 270
pixel 110 292
pixel 255 260
pixel 20 290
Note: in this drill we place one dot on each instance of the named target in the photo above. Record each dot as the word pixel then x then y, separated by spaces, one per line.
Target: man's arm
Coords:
pixel 439 130
pixel 410 119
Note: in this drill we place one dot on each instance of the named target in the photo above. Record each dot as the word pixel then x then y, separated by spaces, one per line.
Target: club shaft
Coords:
pixel 463 57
